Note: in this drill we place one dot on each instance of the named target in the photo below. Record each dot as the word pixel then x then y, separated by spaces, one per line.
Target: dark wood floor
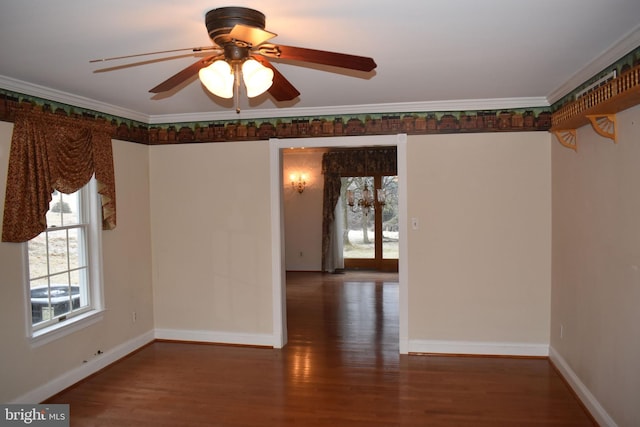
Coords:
pixel 340 368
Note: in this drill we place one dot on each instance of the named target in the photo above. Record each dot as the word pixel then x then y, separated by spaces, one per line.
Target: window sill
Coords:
pixel 54 332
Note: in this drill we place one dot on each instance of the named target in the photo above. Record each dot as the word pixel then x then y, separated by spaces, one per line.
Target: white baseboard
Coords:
pixel 90 367
pixel 413 346
pixel 216 337
pixel 478 348
pixel 584 394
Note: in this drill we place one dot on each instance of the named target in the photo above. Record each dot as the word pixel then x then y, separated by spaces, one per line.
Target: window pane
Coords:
pixel 37 248
pixel 76 254
pixel 40 301
pixel 61 294
pixel 58 260
pixel 78 288
pixel 359 236
pixel 79 278
pixel 64 209
pixel 70 208
pixel 390 234
pixel 54 214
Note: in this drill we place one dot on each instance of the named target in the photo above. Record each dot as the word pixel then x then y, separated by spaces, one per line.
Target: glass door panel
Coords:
pixel 359 235
pixel 370 218
pixel 390 235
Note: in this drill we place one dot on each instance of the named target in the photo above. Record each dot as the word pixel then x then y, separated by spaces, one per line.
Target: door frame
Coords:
pixel 278 276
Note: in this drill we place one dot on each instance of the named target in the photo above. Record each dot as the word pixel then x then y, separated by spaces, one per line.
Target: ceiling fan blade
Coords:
pixel 253 35
pixel 192 49
pixel 183 75
pixel 281 89
pixel 140 63
pixel 343 60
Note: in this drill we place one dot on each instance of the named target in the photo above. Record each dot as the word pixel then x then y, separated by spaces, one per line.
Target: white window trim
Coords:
pixel 67 327
pixel 94 262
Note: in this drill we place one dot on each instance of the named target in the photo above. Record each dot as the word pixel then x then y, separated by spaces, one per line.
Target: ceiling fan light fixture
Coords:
pixel 257 78
pixel 218 79
pixel 238 35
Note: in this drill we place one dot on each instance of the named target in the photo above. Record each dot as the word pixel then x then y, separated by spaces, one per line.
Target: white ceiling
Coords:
pixel 429 53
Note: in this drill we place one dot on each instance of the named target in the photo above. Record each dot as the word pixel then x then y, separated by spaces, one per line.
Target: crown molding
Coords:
pixel 345 110
pixel 54 95
pixel 619 49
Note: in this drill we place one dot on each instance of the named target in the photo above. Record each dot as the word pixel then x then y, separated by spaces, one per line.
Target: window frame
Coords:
pixel 92 214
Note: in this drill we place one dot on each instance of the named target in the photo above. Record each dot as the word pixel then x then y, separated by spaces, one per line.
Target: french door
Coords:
pixel 370 222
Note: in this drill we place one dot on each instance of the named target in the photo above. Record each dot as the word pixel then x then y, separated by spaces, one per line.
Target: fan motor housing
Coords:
pixel 220 21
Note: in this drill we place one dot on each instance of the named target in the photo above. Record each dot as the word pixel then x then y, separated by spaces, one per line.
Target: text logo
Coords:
pixel 34 415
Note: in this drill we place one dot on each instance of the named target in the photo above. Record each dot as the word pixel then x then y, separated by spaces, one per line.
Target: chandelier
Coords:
pixel 366 200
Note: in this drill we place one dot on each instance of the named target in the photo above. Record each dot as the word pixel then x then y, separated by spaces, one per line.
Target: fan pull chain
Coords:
pixel 236 86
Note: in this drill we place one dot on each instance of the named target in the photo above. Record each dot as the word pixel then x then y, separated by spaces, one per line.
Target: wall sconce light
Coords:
pixel 298 182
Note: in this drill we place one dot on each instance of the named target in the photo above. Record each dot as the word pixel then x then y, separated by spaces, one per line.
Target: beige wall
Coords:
pixel 127 288
pixel 596 262
pixel 303 212
pixel 479 262
pixel 212 242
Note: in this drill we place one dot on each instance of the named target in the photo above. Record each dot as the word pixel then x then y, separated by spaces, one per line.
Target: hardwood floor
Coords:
pixel 341 367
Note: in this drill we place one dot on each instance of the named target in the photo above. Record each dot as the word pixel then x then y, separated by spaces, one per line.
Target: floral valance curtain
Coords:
pixel 52 152
pixel 361 161
pixel 348 162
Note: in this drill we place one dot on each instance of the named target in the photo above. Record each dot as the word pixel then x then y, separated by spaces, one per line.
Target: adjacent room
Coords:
pixel 321 214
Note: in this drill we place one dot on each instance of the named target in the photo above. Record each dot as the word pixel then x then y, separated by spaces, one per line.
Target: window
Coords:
pixel 64 262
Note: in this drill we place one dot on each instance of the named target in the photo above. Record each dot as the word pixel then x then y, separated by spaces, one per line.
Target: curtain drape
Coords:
pixel 348 162
pixel 53 152
pixel 330 198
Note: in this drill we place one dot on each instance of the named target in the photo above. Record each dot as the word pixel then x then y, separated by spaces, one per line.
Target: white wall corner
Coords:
pixel 584 394
pixel 404 345
pixel 92 366
pixel 479 348
pixel 278 285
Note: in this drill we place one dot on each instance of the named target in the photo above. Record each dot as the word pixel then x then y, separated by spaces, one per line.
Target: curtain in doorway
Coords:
pixel 335 165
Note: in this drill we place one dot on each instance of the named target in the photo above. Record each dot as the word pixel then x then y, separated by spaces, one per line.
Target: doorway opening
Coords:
pixel 277 223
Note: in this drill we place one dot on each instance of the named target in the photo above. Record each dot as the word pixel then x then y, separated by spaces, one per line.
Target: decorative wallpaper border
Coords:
pixel 11 101
pixel 511 120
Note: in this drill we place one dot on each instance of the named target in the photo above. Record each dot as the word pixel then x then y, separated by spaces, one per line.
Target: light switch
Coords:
pixel 414 223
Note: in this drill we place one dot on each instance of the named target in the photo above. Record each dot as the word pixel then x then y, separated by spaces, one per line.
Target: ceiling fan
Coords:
pixel 240 48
